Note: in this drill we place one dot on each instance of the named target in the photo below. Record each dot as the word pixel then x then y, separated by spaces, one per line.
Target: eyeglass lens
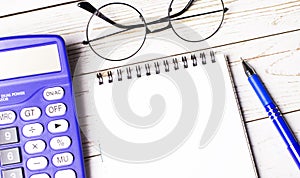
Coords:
pixel 199 22
pixel 112 39
pixel 117 31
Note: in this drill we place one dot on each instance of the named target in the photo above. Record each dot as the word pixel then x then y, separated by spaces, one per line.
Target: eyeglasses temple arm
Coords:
pixel 165 19
pixel 183 10
pixel 206 13
pixel 88 7
pixel 87 42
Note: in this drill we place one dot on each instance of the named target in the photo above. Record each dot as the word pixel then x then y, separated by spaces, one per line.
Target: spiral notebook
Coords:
pixel 172 117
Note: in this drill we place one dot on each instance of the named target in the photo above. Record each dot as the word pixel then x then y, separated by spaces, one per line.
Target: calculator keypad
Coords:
pixel 13 173
pixel 36 146
pixel 65 173
pixel 58 126
pixel 59 143
pixel 10 156
pixel 54 93
pixel 57 109
pixel 7 117
pixel 31 113
pixel 40 176
pixel 62 159
pixel 33 128
pixel 37 163
pixel 8 136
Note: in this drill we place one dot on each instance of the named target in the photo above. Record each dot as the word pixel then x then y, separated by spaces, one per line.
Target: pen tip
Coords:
pixel 243 61
pixel 247 68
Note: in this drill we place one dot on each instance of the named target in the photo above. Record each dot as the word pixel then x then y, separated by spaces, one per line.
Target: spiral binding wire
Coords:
pixel 157 67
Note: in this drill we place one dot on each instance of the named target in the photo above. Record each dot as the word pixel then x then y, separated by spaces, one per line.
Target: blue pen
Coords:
pixel 273 113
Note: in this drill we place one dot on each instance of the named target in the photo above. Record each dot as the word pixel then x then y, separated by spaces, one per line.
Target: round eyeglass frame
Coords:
pixel 147 31
pixel 98 10
pixel 218 28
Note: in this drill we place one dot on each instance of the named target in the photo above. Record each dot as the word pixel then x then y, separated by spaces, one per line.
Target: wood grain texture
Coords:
pixel 264 32
pixel 275 59
pixel 13 7
pixel 271 155
pixel 70 21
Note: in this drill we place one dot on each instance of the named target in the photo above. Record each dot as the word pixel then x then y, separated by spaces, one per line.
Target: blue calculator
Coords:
pixel 39 130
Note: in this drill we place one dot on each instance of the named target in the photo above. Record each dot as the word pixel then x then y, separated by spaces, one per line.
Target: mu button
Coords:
pixel 63 159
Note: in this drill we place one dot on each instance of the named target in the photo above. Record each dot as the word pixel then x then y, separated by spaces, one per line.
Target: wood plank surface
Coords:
pixel 13 7
pixel 70 21
pixel 264 32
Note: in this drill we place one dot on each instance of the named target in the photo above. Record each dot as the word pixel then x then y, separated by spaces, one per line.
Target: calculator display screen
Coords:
pixel 29 61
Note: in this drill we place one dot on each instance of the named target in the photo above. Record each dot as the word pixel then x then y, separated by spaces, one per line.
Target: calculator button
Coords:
pixel 69 173
pixel 54 93
pixel 58 126
pixel 63 159
pixel 41 176
pixel 7 117
pixel 13 173
pixel 36 146
pixel 31 113
pixel 57 109
pixel 32 130
pixel 37 163
pixel 8 136
pixel 58 143
pixel 10 156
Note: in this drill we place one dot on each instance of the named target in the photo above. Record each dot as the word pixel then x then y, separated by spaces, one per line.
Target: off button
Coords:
pixel 54 93
pixel 57 109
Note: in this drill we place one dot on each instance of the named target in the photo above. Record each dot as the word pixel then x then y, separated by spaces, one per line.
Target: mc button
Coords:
pixel 57 109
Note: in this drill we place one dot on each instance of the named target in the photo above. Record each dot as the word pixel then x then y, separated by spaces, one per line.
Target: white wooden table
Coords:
pixel 266 33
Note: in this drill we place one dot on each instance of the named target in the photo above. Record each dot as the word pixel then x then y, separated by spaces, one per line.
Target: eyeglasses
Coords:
pixel 117 31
